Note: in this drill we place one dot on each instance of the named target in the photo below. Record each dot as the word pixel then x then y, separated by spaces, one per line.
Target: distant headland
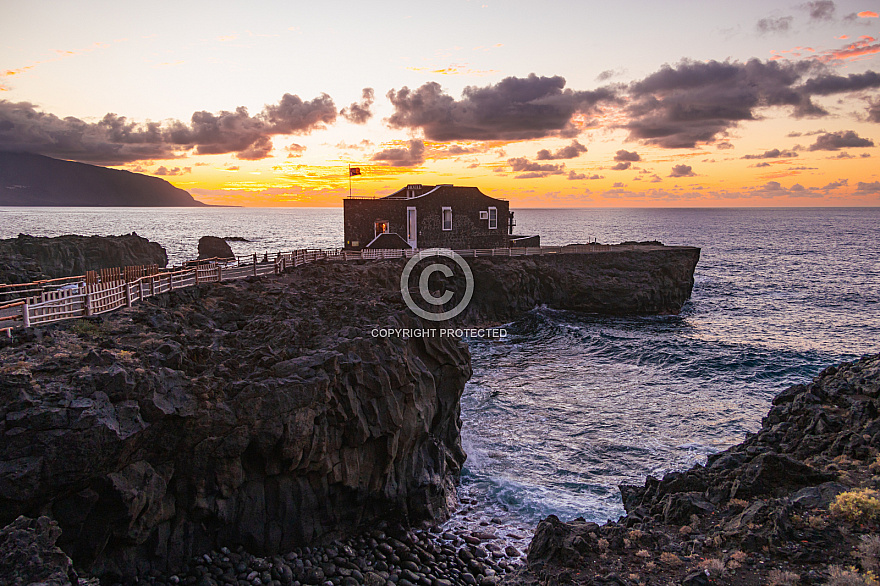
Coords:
pixel 34 180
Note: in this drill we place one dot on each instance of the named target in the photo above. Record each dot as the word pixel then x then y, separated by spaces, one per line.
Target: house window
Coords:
pixel 381 227
pixel 493 218
pixel 447 218
pixel 484 215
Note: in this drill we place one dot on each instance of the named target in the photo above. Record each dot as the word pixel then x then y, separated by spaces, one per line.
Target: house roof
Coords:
pixel 420 191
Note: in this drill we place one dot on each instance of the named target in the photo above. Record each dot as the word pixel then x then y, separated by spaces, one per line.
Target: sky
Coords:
pixel 547 104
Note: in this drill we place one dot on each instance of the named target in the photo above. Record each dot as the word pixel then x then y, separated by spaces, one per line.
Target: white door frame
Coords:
pixel 412 227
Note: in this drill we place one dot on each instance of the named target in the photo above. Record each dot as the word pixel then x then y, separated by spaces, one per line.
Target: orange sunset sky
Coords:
pixel 550 104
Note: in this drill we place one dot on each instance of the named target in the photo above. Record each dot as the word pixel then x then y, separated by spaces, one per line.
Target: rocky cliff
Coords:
pixel 260 414
pixel 794 503
pixel 34 180
pixel 621 280
pixel 31 258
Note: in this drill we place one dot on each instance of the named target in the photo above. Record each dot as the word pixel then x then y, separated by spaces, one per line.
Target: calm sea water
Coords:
pixel 570 406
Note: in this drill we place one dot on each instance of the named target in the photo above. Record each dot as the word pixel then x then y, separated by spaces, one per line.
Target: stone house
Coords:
pixel 428 216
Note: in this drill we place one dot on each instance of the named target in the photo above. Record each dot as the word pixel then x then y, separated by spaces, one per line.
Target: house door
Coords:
pixel 412 227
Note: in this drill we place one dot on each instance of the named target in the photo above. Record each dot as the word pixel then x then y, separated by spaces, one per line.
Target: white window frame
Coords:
pixel 484 215
pixel 493 218
pixel 443 211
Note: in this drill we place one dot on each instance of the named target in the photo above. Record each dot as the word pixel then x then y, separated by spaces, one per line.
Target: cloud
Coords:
pixel 291 115
pixel 359 113
pixel 608 74
pixel 863 47
pixel 833 141
pixel 412 155
pixel 771 154
pixel 821 10
pixel 695 102
pixel 874 110
pixel 868 14
pixel 460 150
pixel 828 84
pixel 774 25
pixel 295 150
pixel 619 185
pixel 682 171
pixel 623 155
pixel 765 164
pixel 513 109
pixel 165 171
pixel 114 140
pixel 724 145
pixel 572 151
pixel 872 187
pixel 573 175
pixel 835 185
pixel 531 170
pixel 621 166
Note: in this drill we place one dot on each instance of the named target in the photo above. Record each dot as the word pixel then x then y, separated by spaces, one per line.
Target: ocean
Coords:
pixel 569 406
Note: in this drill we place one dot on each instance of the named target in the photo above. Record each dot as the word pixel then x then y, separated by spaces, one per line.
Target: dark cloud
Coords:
pixel 359 113
pixel 872 187
pixel 291 115
pixel 623 155
pixel 572 175
pixel 694 102
pixel 622 166
pixel 460 150
pixel 174 171
pixel 874 110
pixel 827 84
pixel 820 9
pixel 760 165
pixel 774 25
pixel 835 185
pixel 682 171
pixel 724 145
pixel 115 140
pixel 532 170
pixel 833 141
pixel 572 151
pixel 513 109
pixel 295 150
pixel 608 74
pixel 410 156
pixel 772 154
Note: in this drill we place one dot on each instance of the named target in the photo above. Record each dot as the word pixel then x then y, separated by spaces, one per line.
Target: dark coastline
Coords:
pixel 263 413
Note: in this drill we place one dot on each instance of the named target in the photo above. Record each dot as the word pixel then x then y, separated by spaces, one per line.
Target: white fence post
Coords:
pixel 88 302
pixel 26 314
pixel 127 294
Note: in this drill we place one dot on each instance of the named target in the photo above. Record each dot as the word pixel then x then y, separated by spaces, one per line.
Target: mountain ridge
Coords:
pixel 28 179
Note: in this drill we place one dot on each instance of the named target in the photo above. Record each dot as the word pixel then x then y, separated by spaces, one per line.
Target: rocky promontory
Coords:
pixel 32 258
pixel 795 503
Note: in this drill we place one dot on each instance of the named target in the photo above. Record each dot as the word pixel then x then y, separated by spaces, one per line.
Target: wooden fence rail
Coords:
pixel 109 289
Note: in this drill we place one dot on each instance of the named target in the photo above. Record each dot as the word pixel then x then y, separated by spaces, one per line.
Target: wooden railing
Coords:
pixel 96 293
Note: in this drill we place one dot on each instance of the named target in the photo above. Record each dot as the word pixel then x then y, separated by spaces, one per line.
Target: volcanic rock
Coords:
pixel 214 247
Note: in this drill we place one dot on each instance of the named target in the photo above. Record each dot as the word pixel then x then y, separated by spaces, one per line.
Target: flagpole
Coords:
pixel 349 180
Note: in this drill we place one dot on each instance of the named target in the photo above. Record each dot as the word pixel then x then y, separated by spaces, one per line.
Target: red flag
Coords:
pixel 354 171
